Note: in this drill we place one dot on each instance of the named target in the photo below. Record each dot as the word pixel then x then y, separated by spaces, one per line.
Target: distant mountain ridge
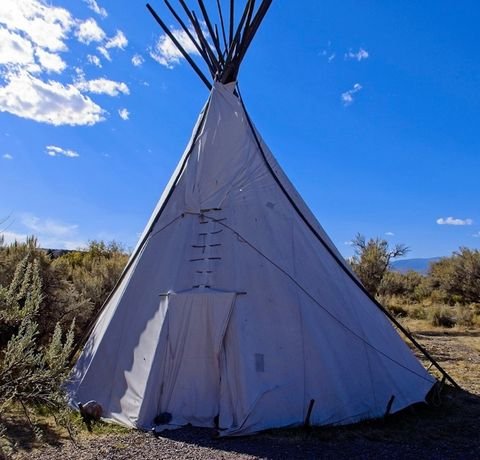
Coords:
pixel 417 265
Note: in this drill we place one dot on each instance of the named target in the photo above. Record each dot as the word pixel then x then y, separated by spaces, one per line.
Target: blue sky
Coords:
pixel 372 109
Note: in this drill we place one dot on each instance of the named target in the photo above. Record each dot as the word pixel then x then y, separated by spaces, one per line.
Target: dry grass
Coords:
pixel 457 349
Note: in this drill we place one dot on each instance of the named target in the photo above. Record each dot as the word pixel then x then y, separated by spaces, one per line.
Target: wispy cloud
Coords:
pixel 124 114
pixel 358 56
pixel 96 8
pixel 104 52
pixel 95 60
pixel 347 97
pixel 51 233
pixel 389 233
pixel 327 52
pixel 119 40
pixel 89 31
pixel 47 226
pixel 102 86
pixel 476 235
pixel 7 156
pixel 137 60
pixel 348 243
pixel 55 151
pixel 167 54
pixel 12 237
pixel 453 221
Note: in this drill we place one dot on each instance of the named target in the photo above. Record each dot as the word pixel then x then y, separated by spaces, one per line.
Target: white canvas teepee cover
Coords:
pixel 232 306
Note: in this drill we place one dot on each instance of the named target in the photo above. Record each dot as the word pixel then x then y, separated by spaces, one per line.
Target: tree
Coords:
pixel 87 277
pixel 372 259
pixel 458 276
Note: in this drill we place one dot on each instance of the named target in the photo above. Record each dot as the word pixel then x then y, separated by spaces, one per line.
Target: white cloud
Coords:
pixel 453 221
pixel 48 102
pixel 55 151
pixel 104 52
pixel 33 33
pixel 328 53
pixel 118 41
pixel 50 233
pixel 45 25
pixel 389 233
pixel 358 56
pixel 347 96
pixel 348 243
pixel 103 86
pixel 95 60
pixel 166 53
pixel 137 60
pixel 7 156
pixel 15 49
pixel 89 31
pixel 94 6
pixel 48 227
pixel 70 245
pixel 476 235
pixel 51 62
pixel 124 114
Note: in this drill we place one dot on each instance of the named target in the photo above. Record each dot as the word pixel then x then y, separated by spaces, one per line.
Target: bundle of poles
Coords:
pixel 222 45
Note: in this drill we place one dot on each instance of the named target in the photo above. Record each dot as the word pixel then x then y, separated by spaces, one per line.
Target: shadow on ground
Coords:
pixel 448 430
pixel 20 434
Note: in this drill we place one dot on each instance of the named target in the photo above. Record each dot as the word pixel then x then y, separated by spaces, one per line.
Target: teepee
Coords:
pixel 235 309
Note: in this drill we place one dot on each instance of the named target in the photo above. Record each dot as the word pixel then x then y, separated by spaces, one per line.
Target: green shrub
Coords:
pixel 464 315
pixel 31 375
pixel 442 317
pixel 398 310
pixel 417 312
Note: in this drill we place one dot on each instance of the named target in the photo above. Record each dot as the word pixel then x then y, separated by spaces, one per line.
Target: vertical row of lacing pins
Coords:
pixel 206 247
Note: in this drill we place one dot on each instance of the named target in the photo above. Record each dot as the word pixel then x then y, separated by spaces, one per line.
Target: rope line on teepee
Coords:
pixel 335 256
pixel 304 290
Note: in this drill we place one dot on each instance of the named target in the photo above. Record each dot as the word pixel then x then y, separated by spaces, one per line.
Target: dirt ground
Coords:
pixel 450 430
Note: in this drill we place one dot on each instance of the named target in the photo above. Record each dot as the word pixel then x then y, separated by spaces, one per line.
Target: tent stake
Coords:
pixel 306 423
pixel 389 406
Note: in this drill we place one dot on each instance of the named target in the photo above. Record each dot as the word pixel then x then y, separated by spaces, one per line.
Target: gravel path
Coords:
pixel 198 444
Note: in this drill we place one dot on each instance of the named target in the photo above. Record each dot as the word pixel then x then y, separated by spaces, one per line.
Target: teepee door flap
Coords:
pixel 190 384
